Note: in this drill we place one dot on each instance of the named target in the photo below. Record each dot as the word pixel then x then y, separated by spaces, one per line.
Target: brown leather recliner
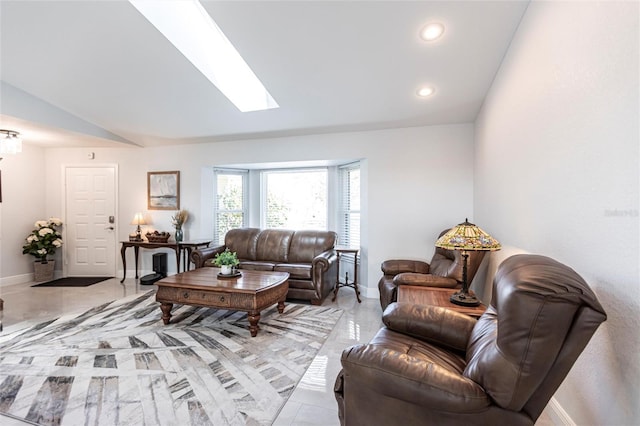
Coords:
pixel 431 365
pixel 445 270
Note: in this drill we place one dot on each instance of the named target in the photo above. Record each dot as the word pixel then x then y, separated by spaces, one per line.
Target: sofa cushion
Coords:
pixel 295 270
pixel 243 241
pixel 305 245
pixel 301 284
pixel 257 265
pixel 273 244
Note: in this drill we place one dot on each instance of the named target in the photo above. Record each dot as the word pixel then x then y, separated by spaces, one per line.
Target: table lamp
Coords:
pixel 467 237
pixel 138 220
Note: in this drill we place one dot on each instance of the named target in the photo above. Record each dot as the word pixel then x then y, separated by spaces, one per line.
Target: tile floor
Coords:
pixel 312 402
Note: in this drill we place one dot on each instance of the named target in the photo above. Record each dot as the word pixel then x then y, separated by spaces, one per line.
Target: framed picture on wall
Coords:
pixel 163 190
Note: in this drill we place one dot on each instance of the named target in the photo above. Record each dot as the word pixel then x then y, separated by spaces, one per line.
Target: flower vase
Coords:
pixel 179 235
pixel 225 269
pixel 43 272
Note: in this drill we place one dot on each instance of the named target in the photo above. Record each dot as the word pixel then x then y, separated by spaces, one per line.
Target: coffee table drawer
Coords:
pixel 207 298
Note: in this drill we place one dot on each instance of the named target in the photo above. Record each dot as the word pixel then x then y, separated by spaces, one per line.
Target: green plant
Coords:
pixel 226 258
pixel 44 239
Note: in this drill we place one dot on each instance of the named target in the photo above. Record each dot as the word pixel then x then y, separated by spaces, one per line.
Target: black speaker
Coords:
pixel 160 264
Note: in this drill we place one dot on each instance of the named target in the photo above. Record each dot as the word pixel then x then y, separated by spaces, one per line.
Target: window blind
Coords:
pixel 231 208
pixel 350 206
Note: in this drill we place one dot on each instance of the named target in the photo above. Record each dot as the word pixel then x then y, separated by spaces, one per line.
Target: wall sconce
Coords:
pixel 11 143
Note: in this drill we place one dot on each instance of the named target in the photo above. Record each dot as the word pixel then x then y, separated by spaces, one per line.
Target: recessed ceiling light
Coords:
pixel 188 26
pixel 432 31
pixel 425 91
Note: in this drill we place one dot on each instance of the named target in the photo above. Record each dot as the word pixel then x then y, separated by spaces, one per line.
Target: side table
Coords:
pixel 187 247
pixel 354 285
pixel 435 296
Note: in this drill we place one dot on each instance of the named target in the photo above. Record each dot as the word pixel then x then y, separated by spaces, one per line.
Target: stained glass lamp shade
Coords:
pixel 467 237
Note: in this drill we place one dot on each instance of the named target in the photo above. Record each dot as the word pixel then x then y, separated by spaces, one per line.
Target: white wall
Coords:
pixel 557 174
pixel 20 209
pixel 416 182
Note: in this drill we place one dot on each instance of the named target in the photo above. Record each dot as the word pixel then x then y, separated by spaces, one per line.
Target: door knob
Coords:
pixel 110 228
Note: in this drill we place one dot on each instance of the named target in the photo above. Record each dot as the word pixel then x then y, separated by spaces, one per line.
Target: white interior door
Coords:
pixel 90 245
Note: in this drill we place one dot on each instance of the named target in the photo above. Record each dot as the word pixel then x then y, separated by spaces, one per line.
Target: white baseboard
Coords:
pixel 16 279
pixel 368 292
pixel 28 278
pixel 24 278
pixel 558 416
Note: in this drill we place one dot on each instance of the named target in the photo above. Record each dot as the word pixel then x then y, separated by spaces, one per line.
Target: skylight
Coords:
pixel 188 26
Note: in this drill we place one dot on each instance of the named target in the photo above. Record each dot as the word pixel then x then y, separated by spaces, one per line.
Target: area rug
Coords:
pixel 118 364
pixel 73 282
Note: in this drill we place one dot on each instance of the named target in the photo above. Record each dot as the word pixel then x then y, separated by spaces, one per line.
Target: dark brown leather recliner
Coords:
pixel 431 365
pixel 445 270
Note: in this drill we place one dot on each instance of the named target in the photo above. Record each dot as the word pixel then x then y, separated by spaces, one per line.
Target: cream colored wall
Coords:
pixel 557 170
pixel 412 188
pixel 24 194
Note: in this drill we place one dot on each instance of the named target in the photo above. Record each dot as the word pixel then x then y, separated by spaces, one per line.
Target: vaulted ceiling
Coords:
pixel 330 65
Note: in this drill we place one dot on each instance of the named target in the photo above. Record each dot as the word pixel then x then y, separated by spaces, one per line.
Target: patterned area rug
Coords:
pixel 118 364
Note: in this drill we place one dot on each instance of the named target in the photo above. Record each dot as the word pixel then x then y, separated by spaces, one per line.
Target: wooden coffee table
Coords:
pixel 251 292
pixel 435 296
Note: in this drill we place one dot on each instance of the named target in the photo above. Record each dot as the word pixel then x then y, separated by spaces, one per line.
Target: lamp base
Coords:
pixel 464 299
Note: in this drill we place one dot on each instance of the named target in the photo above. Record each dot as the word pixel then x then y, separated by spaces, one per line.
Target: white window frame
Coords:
pixel 245 199
pixel 263 191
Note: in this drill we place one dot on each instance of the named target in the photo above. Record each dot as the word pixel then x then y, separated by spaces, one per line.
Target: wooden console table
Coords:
pixel 145 244
pixel 187 247
pixel 177 247
pixel 435 296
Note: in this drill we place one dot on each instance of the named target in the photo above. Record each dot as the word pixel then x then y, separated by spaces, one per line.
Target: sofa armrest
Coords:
pixel 425 280
pixel 434 324
pixel 398 266
pixel 200 256
pixel 324 260
pixel 324 273
pixel 402 376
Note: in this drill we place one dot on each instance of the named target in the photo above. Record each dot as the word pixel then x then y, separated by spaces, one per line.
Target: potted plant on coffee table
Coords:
pixel 226 261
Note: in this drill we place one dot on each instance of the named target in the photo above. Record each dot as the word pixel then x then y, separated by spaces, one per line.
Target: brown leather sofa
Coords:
pixel 431 365
pixel 445 270
pixel 308 256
